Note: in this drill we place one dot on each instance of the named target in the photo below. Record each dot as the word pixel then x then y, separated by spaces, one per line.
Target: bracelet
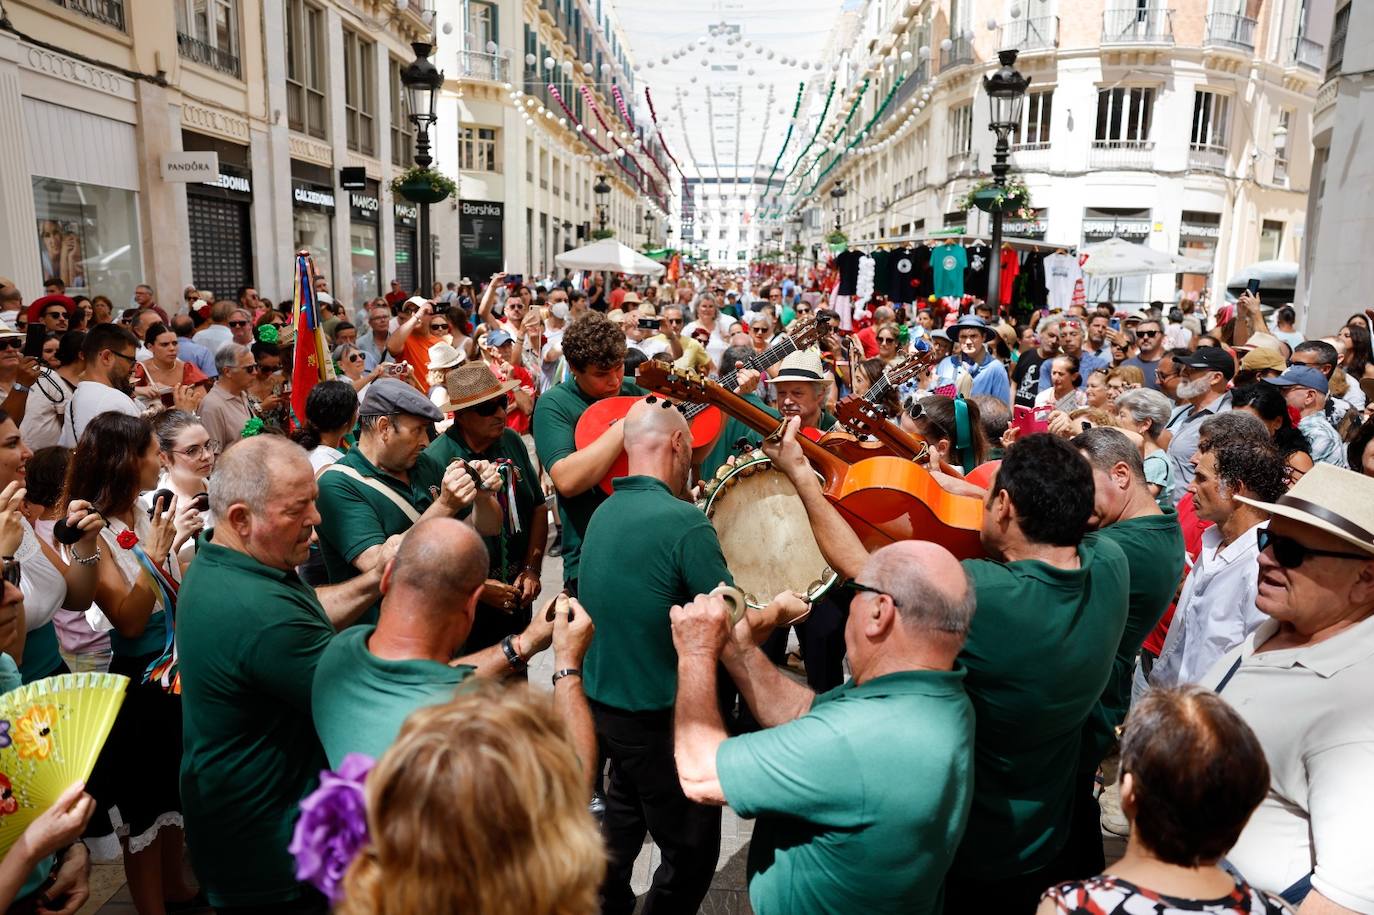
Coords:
pixel 513 658
pixel 89 560
pixel 566 672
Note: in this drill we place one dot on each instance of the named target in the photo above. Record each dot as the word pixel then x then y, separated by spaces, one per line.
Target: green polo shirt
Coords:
pixel 645 551
pixel 1153 545
pixel 1038 656
pixel 556 413
pixel 354 517
pixel 360 700
pixel 249 638
pixel 507 550
pixel 861 801
pixel 733 430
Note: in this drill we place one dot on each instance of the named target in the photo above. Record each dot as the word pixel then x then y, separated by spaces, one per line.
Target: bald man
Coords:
pixel 861 793
pixel 646 549
pixel 371 677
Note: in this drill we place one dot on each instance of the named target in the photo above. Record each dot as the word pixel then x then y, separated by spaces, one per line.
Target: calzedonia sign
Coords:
pixel 311 196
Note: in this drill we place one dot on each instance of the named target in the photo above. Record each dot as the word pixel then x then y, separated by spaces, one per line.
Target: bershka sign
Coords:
pixel 482 209
pixel 185 167
pixel 312 197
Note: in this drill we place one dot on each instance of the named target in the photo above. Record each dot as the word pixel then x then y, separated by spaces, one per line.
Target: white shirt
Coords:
pixel 90 400
pixel 719 340
pixel 45 590
pixel 42 425
pixel 1216 610
pixel 1061 273
pixel 1309 707
pixel 321 456
pixel 214 336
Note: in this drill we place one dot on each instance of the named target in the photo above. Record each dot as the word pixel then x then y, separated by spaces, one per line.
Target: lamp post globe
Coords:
pixel 1006 90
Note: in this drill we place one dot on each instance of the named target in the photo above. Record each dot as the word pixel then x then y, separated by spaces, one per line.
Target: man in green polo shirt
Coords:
pixel 860 793
pixel 371 678
pixel 477 400
pixel 249 635
pixel 1051 611
pixel 1126 513
pixel 595 351
pixel 387 483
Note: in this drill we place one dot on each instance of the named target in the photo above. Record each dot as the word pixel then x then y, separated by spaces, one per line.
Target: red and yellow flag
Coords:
pixel 312 362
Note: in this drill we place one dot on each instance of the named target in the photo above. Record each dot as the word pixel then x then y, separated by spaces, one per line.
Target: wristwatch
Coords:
pixel 566 672
pixel 513 658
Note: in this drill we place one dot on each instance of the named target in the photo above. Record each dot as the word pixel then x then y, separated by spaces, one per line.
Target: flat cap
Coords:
pixel 389 396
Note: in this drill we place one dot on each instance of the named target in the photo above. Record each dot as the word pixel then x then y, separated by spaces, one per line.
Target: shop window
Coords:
pixel 306 110
pixel 360 93
pixel 88 235
pixel 207 33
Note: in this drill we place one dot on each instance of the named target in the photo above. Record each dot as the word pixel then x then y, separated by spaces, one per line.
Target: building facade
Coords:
pixel 1186 127
pixel 1336 271
pixel 531 94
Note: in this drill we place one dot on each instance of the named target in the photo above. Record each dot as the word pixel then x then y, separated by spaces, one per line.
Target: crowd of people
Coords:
pixel 327 619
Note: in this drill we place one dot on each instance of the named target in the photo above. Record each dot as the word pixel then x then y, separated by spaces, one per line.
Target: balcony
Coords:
pixel 1306 54
pixel 1203 157
pixel 911 85
pixel 1122 155
pixel 483 65
pixel 110 12
pixel 1134 26
pixel 1040 33
pixel 1228 30
pixel 201 52
pixel 959 54
pixel 962 164
pixel 1030 157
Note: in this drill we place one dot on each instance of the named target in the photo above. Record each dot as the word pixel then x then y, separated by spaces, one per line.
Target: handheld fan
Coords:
pixel 51 733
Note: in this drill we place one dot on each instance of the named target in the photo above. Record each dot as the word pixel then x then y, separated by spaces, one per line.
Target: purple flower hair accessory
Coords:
pixel 332 828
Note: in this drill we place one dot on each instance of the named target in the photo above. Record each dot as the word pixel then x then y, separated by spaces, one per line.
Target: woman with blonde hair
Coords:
pixel 479 806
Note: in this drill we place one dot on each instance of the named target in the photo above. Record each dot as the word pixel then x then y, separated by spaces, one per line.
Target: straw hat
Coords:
pixel 802 365
pixel 7 331
pixel 473 383
pixel 443 356
pixel 1339 502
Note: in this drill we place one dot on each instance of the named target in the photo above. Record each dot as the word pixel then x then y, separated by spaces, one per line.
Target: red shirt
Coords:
pixel 868 339
pixel 1192 526
pixel 394 299
pixel 517 419
pixel 617 297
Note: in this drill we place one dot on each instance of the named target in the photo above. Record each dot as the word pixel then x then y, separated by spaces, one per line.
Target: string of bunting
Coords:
pixel 796 107
pixel 829 96
pixel 653 116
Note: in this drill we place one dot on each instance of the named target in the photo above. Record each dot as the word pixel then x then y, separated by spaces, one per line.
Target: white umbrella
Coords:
pixel 1118 257
pixel 608 254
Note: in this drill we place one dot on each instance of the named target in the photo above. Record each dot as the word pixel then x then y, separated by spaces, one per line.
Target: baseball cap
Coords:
pixel 1302 376
pixel 1211 358
pixel 389 396
pixel 498 338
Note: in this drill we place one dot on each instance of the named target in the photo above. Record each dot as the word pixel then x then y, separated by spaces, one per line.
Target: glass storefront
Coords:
pixel 88 236
pixel 314 232
pixel 406 215
pixel 364 239
pixel 312 216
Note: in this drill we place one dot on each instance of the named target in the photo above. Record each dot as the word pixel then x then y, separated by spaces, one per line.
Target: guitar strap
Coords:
pixel 377 485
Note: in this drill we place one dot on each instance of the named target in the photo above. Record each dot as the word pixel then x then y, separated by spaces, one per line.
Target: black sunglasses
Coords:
pixel 1147 333
pixel 11 343
pixel 438 326
pixel 59 313
pixel 238 323
pixel 848 589
pixel 12 572
pixel 1290 554
pixel 490 407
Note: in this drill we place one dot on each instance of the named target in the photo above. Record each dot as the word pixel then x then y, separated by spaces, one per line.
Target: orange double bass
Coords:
pixel 884 499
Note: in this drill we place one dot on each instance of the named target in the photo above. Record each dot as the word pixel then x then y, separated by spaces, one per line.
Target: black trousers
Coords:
pixel 643 795
pixel 821 638
pixel 1085 856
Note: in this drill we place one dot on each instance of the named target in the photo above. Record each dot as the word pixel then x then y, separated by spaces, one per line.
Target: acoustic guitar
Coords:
pixel 884 499
pixel 706 422
pixel 849 442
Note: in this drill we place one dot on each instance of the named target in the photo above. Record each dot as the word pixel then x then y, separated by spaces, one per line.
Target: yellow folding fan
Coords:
pixel 51 732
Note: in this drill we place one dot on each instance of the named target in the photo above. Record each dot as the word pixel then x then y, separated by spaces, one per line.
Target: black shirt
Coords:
pixel 1027 377
pixel 976 273
pixel 847 263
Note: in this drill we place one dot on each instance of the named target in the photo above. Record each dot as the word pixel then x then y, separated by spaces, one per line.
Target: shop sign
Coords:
pixel 184 167
pixel 1193 230
pixel 1138 228
pixel 406 213
pixel 364 207
pixel 230 182
pixel 310 196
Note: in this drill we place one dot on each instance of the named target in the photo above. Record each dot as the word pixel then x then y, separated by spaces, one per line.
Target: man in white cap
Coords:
pixel 971 369
pixel 387 484
pixel 1302 681
pixel 411 340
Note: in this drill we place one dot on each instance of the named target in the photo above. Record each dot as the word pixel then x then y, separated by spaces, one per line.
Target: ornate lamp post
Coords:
pixel 422 81
pixel 601 189
pixel 837 194
pixel 1006 89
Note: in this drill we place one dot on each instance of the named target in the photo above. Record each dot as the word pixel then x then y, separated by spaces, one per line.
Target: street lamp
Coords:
pixel 601 189
pixel 422 81
pixel 837 194
pixel 1006 89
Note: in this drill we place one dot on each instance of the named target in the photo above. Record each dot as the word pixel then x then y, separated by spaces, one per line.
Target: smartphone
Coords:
pixel 34 337
pixel 648 323
pixel 168 399
pixel 1252 287
pixel 515 279
pixel 1114 324
pixel 1031 420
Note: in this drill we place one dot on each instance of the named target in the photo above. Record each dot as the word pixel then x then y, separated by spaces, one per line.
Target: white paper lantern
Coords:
pixel 530 60
pixel 924 51
pixel 946 44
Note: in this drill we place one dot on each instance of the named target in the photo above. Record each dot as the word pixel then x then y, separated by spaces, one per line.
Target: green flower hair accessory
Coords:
pixel 254 426
pixel 268 333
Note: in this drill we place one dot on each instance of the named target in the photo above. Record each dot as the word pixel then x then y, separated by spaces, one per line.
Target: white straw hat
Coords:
pixel 1339 502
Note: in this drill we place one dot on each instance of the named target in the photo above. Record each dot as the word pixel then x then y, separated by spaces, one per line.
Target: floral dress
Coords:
pixel 1106 894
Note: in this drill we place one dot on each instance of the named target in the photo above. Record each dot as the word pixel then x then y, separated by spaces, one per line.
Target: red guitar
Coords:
pixel 705 420
pixel 884 499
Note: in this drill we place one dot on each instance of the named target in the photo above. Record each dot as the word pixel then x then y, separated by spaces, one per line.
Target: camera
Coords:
pixel 648 324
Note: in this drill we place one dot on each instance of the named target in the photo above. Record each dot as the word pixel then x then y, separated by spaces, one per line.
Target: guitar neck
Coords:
pixel 764 423
pixel 759 362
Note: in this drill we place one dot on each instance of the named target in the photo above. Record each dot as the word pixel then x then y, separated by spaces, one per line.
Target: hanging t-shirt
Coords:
pixel 1033 280
pixel 1011 265
pixel 881 261
pixel 1027 377
pixel 847 263
pixel 976 274
pixel 1061 272
pixel 947 263
pixel 901 273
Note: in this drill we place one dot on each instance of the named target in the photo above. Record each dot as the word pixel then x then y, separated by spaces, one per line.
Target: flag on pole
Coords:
pixel 311 362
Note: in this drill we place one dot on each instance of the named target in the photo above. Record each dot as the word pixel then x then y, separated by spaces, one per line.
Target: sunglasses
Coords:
pixel 1147 333
pixel 11 343
pixel 849 589
pixel 12 572
pixel 59 313
pixel 1290 554
pixel 356 357
pixel 887 339
pixel 238 323
pixel 490 407
pixel 438 327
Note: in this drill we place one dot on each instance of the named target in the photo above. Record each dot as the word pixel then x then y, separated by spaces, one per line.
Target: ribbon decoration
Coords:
pixel 164 670
pixel 653 116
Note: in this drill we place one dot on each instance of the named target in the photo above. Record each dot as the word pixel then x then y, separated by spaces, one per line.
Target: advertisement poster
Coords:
pixel 61 247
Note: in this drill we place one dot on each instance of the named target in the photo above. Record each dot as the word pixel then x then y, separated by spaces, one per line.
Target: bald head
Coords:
pixel 442 559
pixel 928 585
pixel 651 425
pixel 240 471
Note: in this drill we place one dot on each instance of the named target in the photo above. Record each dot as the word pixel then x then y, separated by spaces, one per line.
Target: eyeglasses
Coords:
pixel 803 311
pixel 490 407
pixel 849 589
pixel 263 369
pixel 438 326
pixel 355 357
pixel 1290 554
pixel 673 321
pixel 887 339
pixel 11 343
pixel 758 330
pixel 1147 333
pixel 238 323
pixel 59 313
pixel 12 572
pixel 196 451
pixel 132 359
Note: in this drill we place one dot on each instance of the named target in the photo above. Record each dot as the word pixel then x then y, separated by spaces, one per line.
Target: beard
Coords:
pixel 1187 390
pixel 123 384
